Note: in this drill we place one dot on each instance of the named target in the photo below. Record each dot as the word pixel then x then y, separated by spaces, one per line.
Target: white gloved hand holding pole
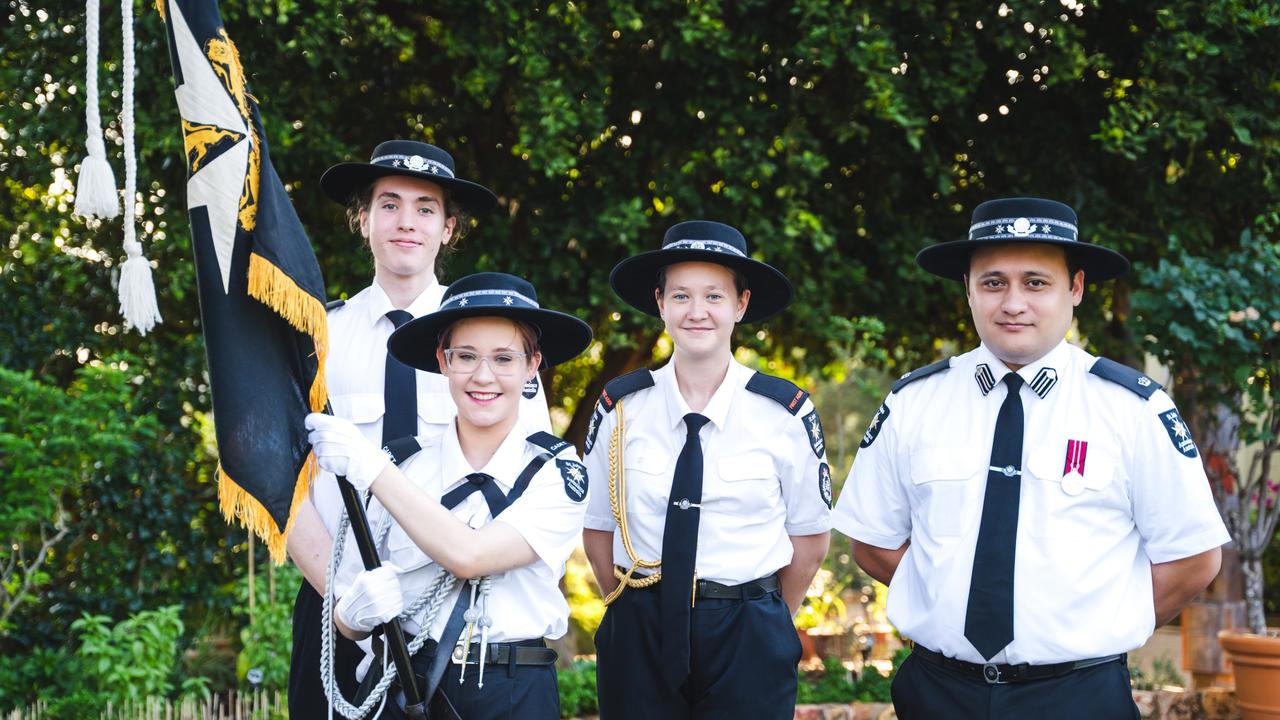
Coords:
pixel 372 600
pixel 342 449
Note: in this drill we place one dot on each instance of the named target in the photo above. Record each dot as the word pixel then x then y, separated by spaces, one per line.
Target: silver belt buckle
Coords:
pixel 991 673
pixel 459 651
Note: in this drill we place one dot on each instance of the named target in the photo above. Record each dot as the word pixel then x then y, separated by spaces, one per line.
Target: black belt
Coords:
pixel 750 590
pixel 527 652
pixel 995 674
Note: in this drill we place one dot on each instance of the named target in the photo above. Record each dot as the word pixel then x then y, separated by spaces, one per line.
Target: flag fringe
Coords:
pixel 237 504
pixel 269 285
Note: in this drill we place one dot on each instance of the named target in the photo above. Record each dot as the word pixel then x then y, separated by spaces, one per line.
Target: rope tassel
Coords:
pixel 96 194
pixel 137 288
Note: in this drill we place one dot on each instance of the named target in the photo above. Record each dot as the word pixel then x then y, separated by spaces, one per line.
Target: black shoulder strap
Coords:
pixel 402 449
pixel 784 392
pixel 334 305
pixel 548 442
pixel 624 385
pixel 1126 377
pixel 919 373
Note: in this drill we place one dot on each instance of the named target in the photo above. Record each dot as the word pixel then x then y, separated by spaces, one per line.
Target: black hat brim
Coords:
pixel 561 337
pixel 344 180
pixel 635 279
pixel 950 260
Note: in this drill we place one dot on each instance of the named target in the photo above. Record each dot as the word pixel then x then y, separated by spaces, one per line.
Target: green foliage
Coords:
pixel 135 658
pixel 48 673
pixel 1163 674
pixel 577 686
pixel 834 683
pixel 267 637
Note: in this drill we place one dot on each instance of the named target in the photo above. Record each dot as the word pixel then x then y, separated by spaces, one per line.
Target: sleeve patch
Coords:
pixel 574 475
pixel 624 385
pixel 873 430
pixel 530 390
pixel 824 484
pixel 921 373
pixel 784 392
pixel 1126 377
pixel 1179 433
pixel 593 427
pixel 813 426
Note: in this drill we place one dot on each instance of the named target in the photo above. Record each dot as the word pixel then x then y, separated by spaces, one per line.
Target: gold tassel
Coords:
pixel 237 504
pixel 270 286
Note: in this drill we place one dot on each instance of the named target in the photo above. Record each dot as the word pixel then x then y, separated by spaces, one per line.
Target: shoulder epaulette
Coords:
pixel 624 385
pixel 919 373
pixel 548 442
pixel 334 305
pixel 1126 377
pixel 784 392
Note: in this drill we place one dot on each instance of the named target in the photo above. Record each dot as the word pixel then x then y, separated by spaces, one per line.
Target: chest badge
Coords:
pixel 592 428
pixel 813 426
pixel 1073 468
pixel 574 475
pixel 873 430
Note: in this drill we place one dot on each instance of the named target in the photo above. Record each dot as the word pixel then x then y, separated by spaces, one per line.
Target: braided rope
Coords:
pixel 434 597
pixel 617 503
pixel 96 194
pixel 137 289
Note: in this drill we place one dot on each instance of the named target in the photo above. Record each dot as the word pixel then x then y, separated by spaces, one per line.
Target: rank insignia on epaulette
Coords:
pixel 574 475
pixel 530 390
pixel 813 426
pixel 592 428
pixel 1179 433
pixel 873 430
pixel 824 484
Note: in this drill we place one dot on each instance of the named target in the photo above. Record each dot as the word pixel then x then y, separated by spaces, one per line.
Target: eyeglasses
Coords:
pixel 507 362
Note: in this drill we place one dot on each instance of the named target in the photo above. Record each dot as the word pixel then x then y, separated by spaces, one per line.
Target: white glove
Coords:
pixel 372 600
pixel 342 449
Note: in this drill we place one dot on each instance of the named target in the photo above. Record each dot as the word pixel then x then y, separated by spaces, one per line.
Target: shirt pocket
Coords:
pixel 359 408
pixel 648 467
pixel 1068 505
pixel 435 404
pixel 943 480
pixel 403 552
pixel 748 481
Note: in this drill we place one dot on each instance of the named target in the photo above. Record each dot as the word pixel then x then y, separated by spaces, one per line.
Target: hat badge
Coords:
pixel 415 162
pixel 1021 227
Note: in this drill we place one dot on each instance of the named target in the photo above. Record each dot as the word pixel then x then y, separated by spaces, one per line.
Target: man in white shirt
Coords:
pixel 409 206
pixel 1035 510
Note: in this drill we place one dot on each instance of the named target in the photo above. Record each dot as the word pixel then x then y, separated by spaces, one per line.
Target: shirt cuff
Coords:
pixel 596 522
pixel 809 528
pixel 866 537
pixel 1186 547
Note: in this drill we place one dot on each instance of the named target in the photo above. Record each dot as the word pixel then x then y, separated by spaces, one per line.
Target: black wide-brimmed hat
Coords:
pixel 409 158
pixel 561 336
pixel 635 278
pixel 1018 220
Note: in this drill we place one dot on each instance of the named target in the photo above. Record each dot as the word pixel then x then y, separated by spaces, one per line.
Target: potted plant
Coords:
pixel 1216 324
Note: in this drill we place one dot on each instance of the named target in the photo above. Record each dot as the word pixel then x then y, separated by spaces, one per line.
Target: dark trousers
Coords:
pixel 923 690
pixel 306 693
pixel 510 692
pixel 743 660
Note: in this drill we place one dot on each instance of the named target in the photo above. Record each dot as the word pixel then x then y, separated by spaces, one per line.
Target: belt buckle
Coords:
pixel 991 673
pixel 459 652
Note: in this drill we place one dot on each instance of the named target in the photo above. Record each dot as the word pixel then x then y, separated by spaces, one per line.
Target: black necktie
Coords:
pixel 399 393
pixel 680 552
pixel 988 623
pixel 477 482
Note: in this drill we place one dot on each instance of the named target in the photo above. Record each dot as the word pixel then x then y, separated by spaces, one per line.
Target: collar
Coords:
pixel 427 301
pixel 717 410
pixel 1040 376
pixel 454 467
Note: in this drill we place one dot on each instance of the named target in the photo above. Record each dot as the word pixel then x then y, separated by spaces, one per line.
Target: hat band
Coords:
pixel 509 298
pixel 1023 228
pixel 417 163
pixel 713 245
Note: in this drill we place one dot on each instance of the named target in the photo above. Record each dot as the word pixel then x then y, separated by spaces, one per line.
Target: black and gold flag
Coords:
pixel 261 292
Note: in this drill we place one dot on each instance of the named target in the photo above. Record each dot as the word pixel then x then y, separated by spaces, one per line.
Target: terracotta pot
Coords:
pixel 1255 660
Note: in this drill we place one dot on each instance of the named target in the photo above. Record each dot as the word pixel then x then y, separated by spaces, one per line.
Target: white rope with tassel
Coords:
pixel 96 194
pixel 137 289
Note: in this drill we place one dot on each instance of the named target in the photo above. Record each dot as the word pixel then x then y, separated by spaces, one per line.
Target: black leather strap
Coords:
pixel 751 590
pixel 994 674
pixel 528 652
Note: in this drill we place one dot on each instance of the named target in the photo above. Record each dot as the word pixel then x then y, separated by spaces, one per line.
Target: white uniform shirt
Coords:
pixel 1085 542
pixel 762 477
pixel 355 370
pixel 525 603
